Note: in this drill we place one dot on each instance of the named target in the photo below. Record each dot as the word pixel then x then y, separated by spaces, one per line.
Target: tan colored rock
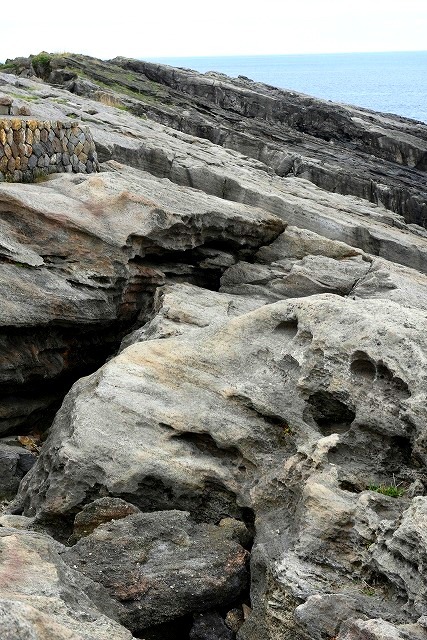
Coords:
pixel 41 598
pixel 97 227
pixel 294 425
pixel 321 417
pixel 16 124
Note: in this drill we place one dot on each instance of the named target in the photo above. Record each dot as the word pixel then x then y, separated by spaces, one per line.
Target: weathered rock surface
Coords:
pixel 99 512
pixel 180 308
pixel 344 149
pixel 381 630
pixel 300 263
pixel 262 258
pixel 41 598
pixel 161 566
pixel 324 414
pixel 399 553
pixel 90 256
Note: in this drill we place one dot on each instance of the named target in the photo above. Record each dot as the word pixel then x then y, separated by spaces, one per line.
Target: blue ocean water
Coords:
pixel 388 82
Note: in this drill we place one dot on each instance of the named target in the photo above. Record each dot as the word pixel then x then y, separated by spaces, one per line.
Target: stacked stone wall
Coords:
pixel 31 149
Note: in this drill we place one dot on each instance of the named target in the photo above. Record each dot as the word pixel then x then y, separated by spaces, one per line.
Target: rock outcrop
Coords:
pixel 88 262
pixel 243 287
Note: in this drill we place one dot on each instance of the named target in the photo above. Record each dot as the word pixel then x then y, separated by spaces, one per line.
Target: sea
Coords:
pixel 388 82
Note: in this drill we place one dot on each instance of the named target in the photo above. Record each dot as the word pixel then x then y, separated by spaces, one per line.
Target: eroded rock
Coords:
pixel 15 462
pixel 98 512
pixel 91 255
pixel 335 403
pixel 296 417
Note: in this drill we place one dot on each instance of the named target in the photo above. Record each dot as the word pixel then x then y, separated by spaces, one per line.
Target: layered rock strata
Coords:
pixel 81 265
pixel 340 148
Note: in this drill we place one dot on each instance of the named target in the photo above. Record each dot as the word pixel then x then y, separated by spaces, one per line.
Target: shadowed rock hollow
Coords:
pixel 243 288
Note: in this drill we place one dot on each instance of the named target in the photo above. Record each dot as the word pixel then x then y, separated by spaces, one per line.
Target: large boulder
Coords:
pixel 333 409
pixel 90 251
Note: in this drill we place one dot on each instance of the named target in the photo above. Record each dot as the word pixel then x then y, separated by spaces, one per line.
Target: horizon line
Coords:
pixel 268 55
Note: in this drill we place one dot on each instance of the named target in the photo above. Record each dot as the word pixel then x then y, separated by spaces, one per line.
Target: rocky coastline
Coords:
pixel 213 354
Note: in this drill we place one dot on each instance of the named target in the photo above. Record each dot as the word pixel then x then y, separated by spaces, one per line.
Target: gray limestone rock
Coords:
pixel 399 554
pixel 294 278
pixel 87 265
pixel 179 308
pixel 380 630
pixel 323 416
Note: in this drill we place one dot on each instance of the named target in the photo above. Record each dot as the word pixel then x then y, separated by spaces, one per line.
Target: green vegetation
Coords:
pixel 41 64
pixel 23 96
pixel 125 83
pixel 40 175
pixel 387 490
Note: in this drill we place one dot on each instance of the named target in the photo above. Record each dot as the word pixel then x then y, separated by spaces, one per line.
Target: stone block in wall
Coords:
pixel 22 110
pixel 5 105
pixel 31 149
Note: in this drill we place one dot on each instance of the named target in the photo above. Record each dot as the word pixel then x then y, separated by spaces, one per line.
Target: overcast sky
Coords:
pixel 223 27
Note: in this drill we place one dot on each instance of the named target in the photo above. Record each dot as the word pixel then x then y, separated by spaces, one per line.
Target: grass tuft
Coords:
pixel 387 490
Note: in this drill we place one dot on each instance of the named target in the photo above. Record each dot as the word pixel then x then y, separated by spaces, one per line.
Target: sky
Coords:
pixel 141 29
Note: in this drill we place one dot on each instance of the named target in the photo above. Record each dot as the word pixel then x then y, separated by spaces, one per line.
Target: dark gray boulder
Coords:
pixel 15 462
pixel 162 565
pixel 210 626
